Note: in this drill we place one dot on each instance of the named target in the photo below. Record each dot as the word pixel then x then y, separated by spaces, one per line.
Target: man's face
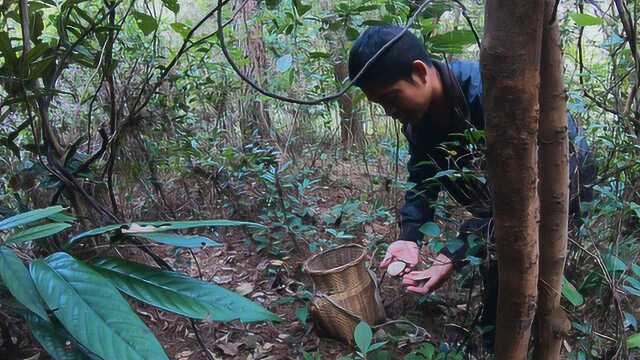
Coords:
pixel 405 100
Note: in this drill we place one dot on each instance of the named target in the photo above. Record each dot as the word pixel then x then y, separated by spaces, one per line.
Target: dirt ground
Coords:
pixel 276 284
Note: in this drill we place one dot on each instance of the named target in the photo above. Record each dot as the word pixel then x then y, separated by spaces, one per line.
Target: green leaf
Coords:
pixel 92 310
pixel 302 314
pixel 165 226
pixel 146 23
pixel 60 217
pixel 8 53
pixel 178 293
pixel 613 263
pixel 301 8
pixel 37 232
pixel 363 336
pixel 29 217
pixel 181 29
pixel 95 232
pixel 284 63
pixel 181 225
pixel 570 293
pixel 453 38
pixel 633 341
pixel 351 33
pixel 272 4
pixel 430 229
pixel 172 5
pixel 186 241
pixel 585 19
pixel 16 278
pixel 49 335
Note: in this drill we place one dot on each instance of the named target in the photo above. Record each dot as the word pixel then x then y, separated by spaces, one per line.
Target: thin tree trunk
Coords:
pixel 351 131
pixel 510 63
pixel 255 115
pixel 552 322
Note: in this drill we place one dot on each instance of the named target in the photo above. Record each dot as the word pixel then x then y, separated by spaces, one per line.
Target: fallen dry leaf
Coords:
pixel 244 288
pixel 229 348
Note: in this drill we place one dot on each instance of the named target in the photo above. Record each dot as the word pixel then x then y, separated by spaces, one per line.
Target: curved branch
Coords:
pixel 328 98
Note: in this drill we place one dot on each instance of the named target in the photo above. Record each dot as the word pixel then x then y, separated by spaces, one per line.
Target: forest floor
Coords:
pixel 278 284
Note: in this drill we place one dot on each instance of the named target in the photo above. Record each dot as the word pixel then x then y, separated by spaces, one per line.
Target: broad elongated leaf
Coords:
pixel 29 217
pixel 37 232
pixel 582 19
pixel 95 232
pixel 570 293
pixel 181 294
pixel 187 241
pixel 92 310
pixel 49 335
pixel 165 226
pixel 16 278
pixel 181 225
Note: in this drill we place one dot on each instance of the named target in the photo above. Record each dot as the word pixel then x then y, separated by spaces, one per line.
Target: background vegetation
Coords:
pixel 124 112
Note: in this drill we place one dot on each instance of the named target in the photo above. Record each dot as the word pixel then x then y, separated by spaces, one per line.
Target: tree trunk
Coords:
pixel 350 119
pixel 254 115
pixel 510 64
pixel 552 322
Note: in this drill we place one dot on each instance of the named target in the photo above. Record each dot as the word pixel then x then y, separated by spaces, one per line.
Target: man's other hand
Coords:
pixel 405 251
pixel 426 281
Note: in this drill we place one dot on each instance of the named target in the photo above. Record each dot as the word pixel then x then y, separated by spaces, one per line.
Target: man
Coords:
pixel 440 107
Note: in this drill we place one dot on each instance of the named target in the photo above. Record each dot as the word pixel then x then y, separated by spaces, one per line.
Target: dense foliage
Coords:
pixel 127 114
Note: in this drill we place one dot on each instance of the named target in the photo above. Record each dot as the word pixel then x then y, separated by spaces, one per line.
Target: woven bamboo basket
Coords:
pixel 345 291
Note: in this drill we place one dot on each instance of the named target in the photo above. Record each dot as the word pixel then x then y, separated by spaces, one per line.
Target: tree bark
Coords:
pixel 351 132
pixel 255 114
pixel 510 64
pixel 552 322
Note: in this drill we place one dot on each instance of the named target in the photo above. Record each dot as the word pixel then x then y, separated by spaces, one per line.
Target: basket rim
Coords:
pixel 357 260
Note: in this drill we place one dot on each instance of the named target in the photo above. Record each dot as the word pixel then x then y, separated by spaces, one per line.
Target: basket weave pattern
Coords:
pixel 345 291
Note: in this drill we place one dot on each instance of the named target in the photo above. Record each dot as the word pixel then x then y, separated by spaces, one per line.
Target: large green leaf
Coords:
pixel 187 241
pixel 178 293
pixel 95 232
pixel 452 40
pixel 92 310
pixel 16 278
pixel 50 336
pixel 570 293
pixel 164 226
pixel 146 23
pixel 37 232
pixel 582 19
pixel 181 225
pixel 29 217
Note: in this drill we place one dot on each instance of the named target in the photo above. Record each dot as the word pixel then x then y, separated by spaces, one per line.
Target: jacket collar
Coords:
pixel 452 90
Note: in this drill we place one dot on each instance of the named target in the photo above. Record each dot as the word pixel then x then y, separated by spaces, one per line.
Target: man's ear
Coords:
pixel 420 71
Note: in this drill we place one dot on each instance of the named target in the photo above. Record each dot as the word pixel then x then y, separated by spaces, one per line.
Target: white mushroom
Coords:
pixel 396 267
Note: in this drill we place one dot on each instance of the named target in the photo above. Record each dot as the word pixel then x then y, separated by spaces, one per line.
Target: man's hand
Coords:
pixel 405 251
pixel 425 281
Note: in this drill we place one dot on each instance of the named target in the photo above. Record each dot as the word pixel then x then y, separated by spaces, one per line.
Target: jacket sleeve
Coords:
pixel 416 210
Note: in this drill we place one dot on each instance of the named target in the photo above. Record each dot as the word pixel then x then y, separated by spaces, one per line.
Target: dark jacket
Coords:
pixel 451 158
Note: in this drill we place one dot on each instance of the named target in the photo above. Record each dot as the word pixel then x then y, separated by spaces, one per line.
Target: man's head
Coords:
pixel 399 79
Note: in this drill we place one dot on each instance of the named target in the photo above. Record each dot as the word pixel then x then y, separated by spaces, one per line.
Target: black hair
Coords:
pixel 393 64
